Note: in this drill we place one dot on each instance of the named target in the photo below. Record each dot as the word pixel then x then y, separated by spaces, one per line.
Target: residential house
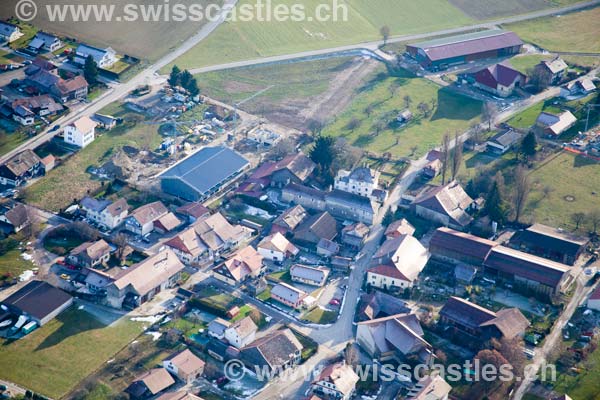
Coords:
pixel 166 223
pixel 316 227
pixel 350 206
pixel 150 384
pixel 217 327
pixel 106 122
pixel 529 271
pixel 480 323
pixel 554 69
pixel 76 88
pixel 41 106
pixel 399 228
pixel 396 337
pixel 327 248
pixel 502 142
pixel 447 205
pixel 276 247
pixel 430 387
pixel 579 87
pixel 20 168
pixel 593 302
pixel 141 220
pixel 90 254
pixel 336 381
pixel 141 282
pixel 81 132
pixel 555 124
pixel 96 281
pixel 354 235
pixel 304 196
pixel 181 395
pixel 15 217
pixel 289 220
pixel 457 247
pixel 45 41
pixel 23 115
pixel 241 333
pixel 316 276
pixel 104 58
pixel 360 181
pixel 193 211
pixel 499 79
pixel 378 304
pixel 552 243
pixel 245 264
pixel 433 166
pixel 288 295
pixel 40 64
pixel 9 32
pixel 295 168
pixel 397 263
pixel 274 352
pixel 185 365
pixel 106 213
pixel 43 80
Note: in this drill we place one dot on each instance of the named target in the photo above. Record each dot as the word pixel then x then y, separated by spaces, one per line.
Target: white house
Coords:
pixel 45 41
pixel 336 381
pixel 288 295
pixel 241 333
pixel 9 32
pixel 104 58
pixel 361 181
pixel 24 115
pixel 430 388
pixel 316 276
pixel 81 132
pixel 276 247
pixel 185 365
pixel 593 302
pixel 105 213
pixel 397 263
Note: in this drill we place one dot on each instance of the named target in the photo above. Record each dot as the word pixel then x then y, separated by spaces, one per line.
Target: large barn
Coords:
pixel 203 173
pixel 439 54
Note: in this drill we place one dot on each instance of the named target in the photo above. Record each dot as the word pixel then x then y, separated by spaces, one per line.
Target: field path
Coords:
pixel 373 46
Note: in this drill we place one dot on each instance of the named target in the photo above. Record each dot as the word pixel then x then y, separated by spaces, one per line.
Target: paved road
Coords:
pixel 374 45
pixel 120 91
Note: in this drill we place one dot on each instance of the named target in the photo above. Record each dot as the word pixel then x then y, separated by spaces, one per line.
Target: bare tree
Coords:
pixel 457 156
pixel 488 113
pixel 283 148
pixel 353 124
pixel 424 108
pixel 522 186
pixel 385 33
pixel 594 218
pixel 120 240
pixel 577 219
pixel 539 78
pixel 475 134
pixel 407 101
pixel 445 156
pixel 351 355
pixel 315 126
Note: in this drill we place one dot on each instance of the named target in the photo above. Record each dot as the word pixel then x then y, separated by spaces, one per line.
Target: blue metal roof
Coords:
pixel 207 168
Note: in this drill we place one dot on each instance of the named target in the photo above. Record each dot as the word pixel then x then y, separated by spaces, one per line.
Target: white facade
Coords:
pixel 361 181
pixel 387 282
pixel 234 339
pixel 80 133
pixel 270 254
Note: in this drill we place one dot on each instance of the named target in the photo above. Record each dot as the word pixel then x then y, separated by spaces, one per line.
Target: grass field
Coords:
pixel 486 9
pixel 71 181
pixel 577 32
pixel 526 118
pixel 384 97
pixel 319 315
pixel 583 386
pixel 566 175
pixel 525 62
pixel 12 263
pixel 235 41
pixel 54 358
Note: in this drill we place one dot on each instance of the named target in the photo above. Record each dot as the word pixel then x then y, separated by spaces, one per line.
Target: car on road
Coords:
pixel 55 128
pixel 334 302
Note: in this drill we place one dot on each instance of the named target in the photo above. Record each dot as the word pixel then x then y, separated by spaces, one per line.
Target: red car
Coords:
pixel 334 302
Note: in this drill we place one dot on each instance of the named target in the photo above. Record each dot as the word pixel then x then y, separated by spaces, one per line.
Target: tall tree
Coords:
pixel 539 78
pixel 528 145
pixel 577 219
pixel 193 87
pixel 594 218
pixel 407 101
pixel 185 78
pixel 323 153
pixel 522 186
pixel 445 156
pixel 488 113
pixel 495 206
pixel 90 70
pixel 385 33
pixel 457 156
pixel 174 76
pixel 315 126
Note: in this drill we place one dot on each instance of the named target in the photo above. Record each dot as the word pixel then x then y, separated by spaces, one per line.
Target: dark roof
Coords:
pixel 497 74
pixel 196 210
pixel 469 43
pixel 506 138
pixel 446 239
pixel 18 215
pixel 207 168
pixel 291 217
pixel 450 199
pixel 378 305
pixel 323 225
pixel 525 265
pixel 273 349
pixel 22 162
pixel 301 189
pixel 510 322
pixel 298 164
pixel 38 299
pixel 466 313
pixel 550 239
pixel 351 199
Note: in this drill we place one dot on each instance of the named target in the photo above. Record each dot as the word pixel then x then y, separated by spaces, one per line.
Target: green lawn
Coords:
pixel 585 385
pixel 12 263
pixel 282 276
pixel 9 141
pixel 54 358
pixel 70 180
pixel 566 175
pixel 384 96
pixel 526 118
pixel 321 316
pixel 234 41
pixel 576 32
pixel 28 31
pixel 487 9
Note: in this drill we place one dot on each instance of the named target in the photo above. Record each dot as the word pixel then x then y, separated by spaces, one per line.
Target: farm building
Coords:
pixel 439 54
pixel 203 173
pixel 552 243
pixel 39 301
